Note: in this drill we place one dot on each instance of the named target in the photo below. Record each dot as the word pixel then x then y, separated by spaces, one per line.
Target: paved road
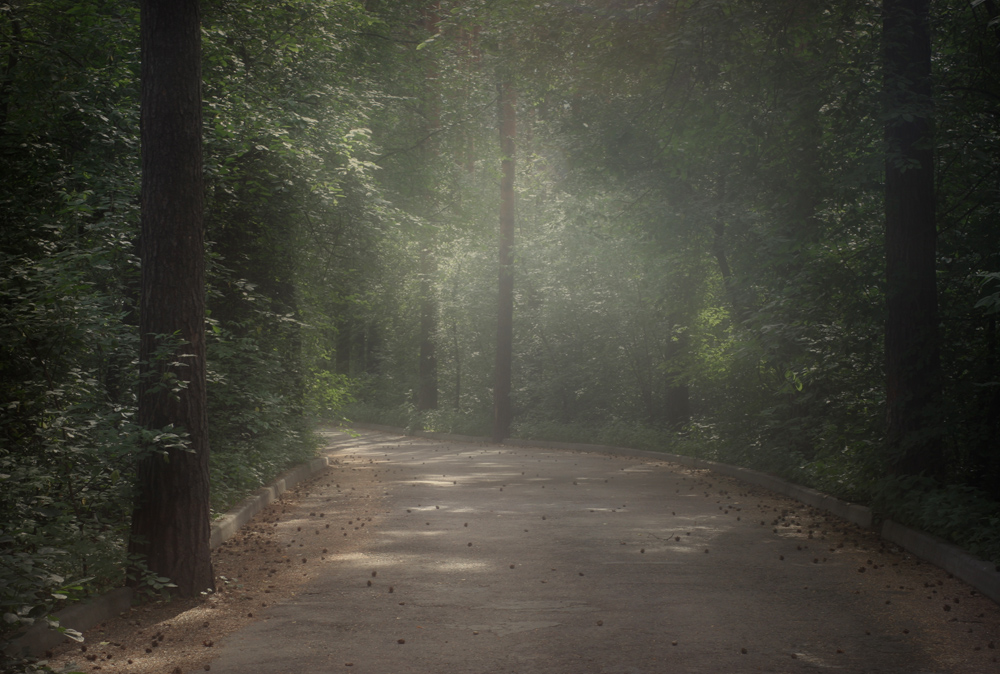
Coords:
pixel 489 559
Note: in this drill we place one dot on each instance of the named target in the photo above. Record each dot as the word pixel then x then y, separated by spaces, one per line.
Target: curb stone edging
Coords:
pixel 226 526
pixel 81 617
pixel 980 574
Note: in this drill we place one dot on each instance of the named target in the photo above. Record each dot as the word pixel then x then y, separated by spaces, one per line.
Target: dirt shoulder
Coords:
pixel 266 562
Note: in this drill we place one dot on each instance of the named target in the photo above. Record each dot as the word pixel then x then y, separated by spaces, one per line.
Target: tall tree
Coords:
pixel 170 523
pixel 913 370
pixel 502 414
pixel 427 386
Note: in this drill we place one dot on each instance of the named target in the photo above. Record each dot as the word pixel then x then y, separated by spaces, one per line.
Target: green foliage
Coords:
pixel 258 424
pixel 959 513
pixel 698 266
pixel 700 209
pixel 452 421
pixel 67 354
pixel 67 435
pixel 148 586
pixel 327 393
pixel 398 417
pixel 280 172
pixel 287 148
pixel 28 590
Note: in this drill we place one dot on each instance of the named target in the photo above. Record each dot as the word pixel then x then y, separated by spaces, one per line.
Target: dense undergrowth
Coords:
pixel 70 273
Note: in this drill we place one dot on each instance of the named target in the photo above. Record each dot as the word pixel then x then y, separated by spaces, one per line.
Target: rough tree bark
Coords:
pixel 913 370
pixel 170 522
pixel 502 414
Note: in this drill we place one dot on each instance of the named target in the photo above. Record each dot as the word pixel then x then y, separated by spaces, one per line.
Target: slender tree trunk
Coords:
pixel 427 374
pixel 678 406
pixel 913 370
pixel 359 343
pixel 502 414
pixel 469 59
pixel 7 80
pixel 343 344
pixel 427 389
pixel 719 250
pixel 372 349
pixel 458 366
pixel 677 403
pixel 170 523
pixel 993 12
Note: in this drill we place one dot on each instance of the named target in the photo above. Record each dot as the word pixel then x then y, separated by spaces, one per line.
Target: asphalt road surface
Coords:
pixel 492 559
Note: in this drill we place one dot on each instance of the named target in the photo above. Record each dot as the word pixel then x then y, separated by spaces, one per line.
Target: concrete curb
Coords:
pixel 81 617
pixel 982 575
pixel 979 574
pixel 226 526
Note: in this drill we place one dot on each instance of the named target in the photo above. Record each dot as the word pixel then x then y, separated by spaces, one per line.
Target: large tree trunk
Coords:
pixel 719 250
pixel 913 371
pixel 502 415
pixel 170 523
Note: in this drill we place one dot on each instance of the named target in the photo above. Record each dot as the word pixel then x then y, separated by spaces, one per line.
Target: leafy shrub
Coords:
pixel 258 427
pixel 362 412
pixel 67 436
pixel 958 513
pixel 451 421
pixel 29 591
pixel 327 393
